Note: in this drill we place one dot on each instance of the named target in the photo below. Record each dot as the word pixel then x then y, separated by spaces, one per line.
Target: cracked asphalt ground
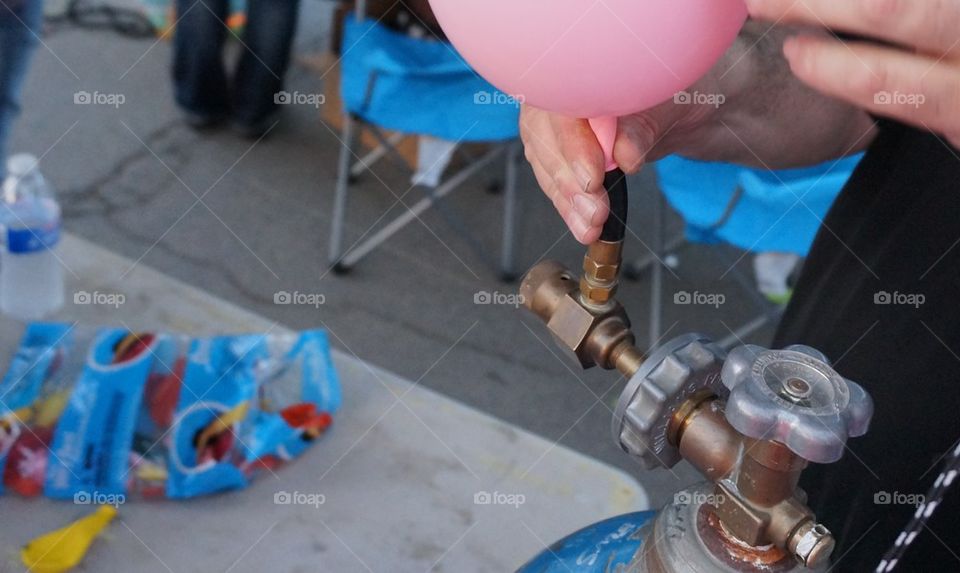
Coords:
pixel 246 220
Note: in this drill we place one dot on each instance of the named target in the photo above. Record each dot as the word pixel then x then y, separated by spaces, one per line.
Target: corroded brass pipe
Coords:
pixel 769 472
pixel 707 440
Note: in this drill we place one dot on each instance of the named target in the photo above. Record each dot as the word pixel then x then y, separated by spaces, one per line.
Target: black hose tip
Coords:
pixel 615 229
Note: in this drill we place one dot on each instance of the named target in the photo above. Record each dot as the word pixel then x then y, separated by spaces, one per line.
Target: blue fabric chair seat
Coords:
pixel 779 211
pixel 420 86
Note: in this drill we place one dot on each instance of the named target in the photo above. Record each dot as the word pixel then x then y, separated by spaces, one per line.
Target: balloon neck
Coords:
pixel 605 129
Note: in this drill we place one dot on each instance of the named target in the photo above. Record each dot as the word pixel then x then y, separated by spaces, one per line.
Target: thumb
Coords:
pixel 636 136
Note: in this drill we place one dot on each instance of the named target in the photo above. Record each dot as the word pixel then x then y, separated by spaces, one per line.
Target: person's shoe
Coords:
pixel 255 129
pixel 773 272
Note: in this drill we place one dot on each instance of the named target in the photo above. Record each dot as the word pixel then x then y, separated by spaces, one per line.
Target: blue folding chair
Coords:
pixel 754 210
pixel 408 85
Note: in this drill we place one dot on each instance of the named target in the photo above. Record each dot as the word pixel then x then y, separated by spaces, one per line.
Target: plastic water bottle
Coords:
pixel 31 275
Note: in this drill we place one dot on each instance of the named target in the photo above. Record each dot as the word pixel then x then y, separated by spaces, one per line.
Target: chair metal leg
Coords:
pixel 414 212
pixel 376 154
pixel 636 268
pixel 340 198
pixel 656 283
pixel 507 270
pixel 389 145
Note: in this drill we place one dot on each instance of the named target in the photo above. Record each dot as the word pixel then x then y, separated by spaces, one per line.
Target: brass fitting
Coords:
pixel 812 544
pixel 591 327
pixel 601 274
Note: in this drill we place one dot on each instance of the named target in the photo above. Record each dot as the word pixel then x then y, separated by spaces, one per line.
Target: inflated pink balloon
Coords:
pixel 591 58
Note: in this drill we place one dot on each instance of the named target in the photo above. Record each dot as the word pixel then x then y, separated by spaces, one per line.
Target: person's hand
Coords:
pixel 914 77
pixel 569 164
pixel 744 111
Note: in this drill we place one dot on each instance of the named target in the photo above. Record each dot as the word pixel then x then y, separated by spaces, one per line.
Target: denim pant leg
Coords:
pixel 271 25
pixel 20 27
pixel 199 78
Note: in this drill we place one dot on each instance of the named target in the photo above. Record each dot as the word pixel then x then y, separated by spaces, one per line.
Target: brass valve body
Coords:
pixel 592 334
pixel 757 499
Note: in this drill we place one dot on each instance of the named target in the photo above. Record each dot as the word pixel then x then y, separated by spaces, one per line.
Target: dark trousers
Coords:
pixel 200 78
pixel 20 23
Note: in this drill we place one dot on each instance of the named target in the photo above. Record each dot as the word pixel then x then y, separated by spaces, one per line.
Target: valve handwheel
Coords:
pixel 676 371
pixel 792 396
pixel 795 397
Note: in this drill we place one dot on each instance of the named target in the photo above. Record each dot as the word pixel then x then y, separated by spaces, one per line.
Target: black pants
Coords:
pixel 880 295
pixel 20 28
pixel 200 78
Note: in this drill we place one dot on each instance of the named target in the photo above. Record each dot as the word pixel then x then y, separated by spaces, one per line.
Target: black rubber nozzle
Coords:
pixel 615 229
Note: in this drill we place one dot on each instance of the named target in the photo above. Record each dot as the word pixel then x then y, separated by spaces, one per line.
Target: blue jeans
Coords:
pixel 20 27
pixel 200 80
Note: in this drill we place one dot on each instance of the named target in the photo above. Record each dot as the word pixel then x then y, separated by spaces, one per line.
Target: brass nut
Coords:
pixel 597 294
pixel 740 518
pixel 600 271
pixel 585 334
pixel 813 544
pixel 571 325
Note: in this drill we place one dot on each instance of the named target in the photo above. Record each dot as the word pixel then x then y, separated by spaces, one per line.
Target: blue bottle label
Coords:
pixel 23 241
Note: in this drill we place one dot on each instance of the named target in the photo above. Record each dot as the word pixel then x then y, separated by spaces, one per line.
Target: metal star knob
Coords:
pixel 671 374
pixel 795 397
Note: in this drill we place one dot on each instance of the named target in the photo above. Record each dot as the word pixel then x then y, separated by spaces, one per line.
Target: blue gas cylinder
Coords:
pixel 596 548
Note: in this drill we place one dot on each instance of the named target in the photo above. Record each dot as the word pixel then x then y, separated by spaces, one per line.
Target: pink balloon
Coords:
pixel 591 58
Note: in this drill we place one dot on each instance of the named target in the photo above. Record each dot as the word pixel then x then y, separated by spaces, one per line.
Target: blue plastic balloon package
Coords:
pixel 108 412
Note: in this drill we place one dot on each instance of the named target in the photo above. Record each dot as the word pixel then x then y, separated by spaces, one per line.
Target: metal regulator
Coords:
pixel 749 420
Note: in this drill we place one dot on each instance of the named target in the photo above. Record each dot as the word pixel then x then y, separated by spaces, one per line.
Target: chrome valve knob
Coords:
pixel 668 377
pixel 795 397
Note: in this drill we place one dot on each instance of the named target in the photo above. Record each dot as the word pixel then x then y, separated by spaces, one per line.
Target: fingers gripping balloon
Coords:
pixel 596 59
